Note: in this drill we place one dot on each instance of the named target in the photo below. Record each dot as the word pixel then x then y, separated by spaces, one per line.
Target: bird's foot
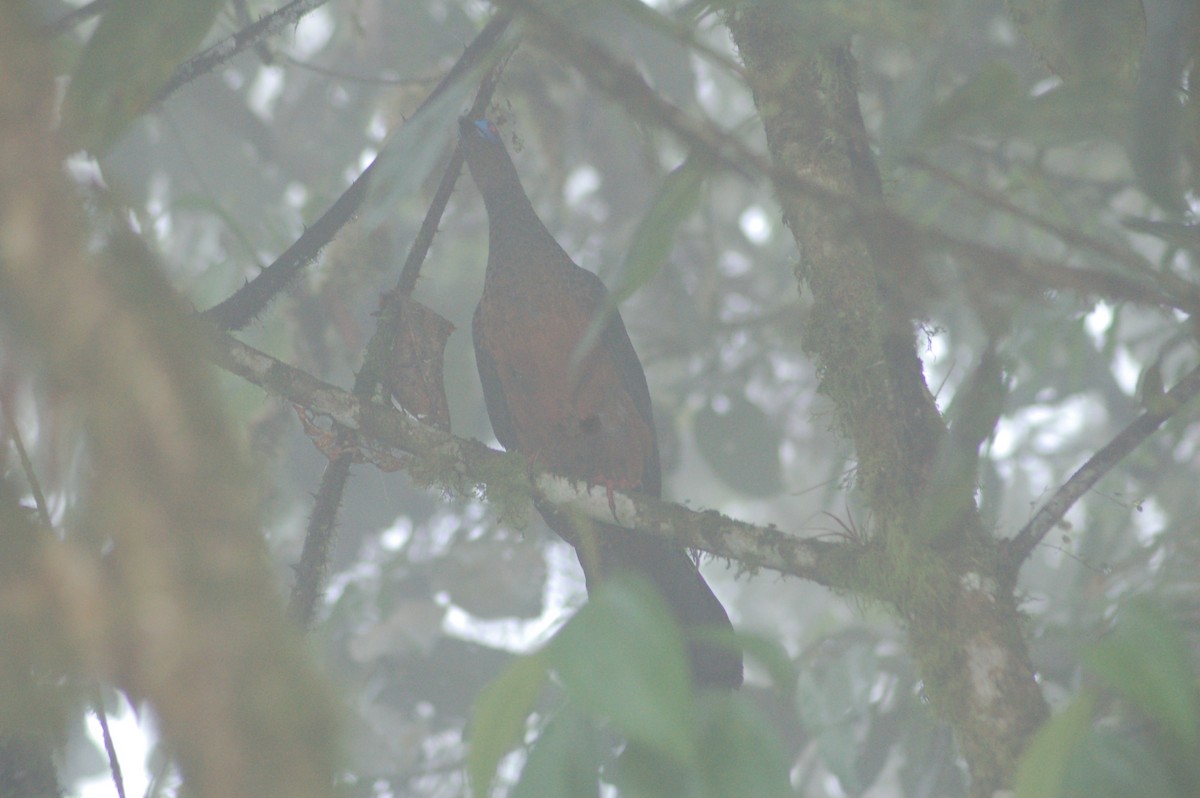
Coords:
pixel 335 444
pixel 327 441
pixel 610 488
pixel 532 460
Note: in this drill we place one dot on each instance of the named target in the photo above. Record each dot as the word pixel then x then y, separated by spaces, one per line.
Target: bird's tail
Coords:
pixel 610 550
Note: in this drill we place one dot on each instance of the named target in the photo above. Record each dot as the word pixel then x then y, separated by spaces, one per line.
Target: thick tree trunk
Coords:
pixel 936 568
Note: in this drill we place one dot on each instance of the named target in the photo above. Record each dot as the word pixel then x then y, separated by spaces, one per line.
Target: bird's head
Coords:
pixel 484 129
pixel 486 157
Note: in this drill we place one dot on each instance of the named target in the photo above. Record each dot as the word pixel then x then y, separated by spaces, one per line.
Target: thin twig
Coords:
pixel 1099 464
pixel 35 487
pixel 313 567
pixel 624 83
pixel 39 500
pixel 227 48
pixel 424 238
pixel 110 748
pixel 314 559
pixel 242 13
pixel 369 377
pixel 245 304
pixel 1073 237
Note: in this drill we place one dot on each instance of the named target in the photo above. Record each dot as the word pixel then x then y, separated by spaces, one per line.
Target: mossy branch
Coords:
pixel 461 466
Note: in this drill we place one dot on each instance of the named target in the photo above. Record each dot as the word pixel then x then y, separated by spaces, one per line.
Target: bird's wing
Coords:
pixel 615 341
pixel 493 390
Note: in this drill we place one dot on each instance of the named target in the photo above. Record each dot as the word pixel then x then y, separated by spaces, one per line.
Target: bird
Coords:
pixel 586 416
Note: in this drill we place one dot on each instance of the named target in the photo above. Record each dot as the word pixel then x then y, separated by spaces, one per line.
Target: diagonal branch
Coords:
pixel 624 83
pixel 251 299
pixel 1068 235
pixel 1103 461
pixel 461 465
pixel 221 52
pixel 318 538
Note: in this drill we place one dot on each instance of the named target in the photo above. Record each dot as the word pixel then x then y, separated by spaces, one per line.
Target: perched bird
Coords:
pixel 587 418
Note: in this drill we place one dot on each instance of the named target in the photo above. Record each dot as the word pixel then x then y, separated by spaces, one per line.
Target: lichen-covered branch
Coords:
pixel 462 465
pixel 318 536
pixel 855 211
pixel 866 276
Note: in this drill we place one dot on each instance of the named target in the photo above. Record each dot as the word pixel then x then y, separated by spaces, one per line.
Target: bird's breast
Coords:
pixel 575 418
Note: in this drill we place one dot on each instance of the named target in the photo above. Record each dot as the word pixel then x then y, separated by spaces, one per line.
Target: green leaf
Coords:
pixel 1161 127
pixel 1085 41
pixel 1070 114
pixel 740 753
pixel 1146 660
pixel 979 402
pixel 973 105
pixel 676 200
pixel 128 59
pixel 498 721
pixel 564 760
pixel 1044 766
pixel 1111 764
pixel 622 658
pixel 642 771
pixel 833 697
pixel 774 657
pixel 413 151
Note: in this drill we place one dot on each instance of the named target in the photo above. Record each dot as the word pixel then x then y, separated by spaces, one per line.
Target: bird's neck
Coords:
pixel 514 230
pixel 509 209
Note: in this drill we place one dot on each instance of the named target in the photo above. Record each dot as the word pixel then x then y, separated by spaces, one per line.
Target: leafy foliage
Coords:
pixel 132 53
pixel 621 664
pixel 998 126
pixel 1151 751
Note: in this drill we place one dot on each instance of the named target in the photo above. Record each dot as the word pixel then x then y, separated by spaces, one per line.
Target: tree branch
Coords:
pixel 1068 235
pixel 461 465
pixel 624 83
pixel 251 299
pixel 314 559
pixel 227 48
pixel 862 262
pixel 1099 464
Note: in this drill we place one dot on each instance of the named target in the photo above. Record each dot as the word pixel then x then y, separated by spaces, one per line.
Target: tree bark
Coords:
pixel 928 554
pixel 182 610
